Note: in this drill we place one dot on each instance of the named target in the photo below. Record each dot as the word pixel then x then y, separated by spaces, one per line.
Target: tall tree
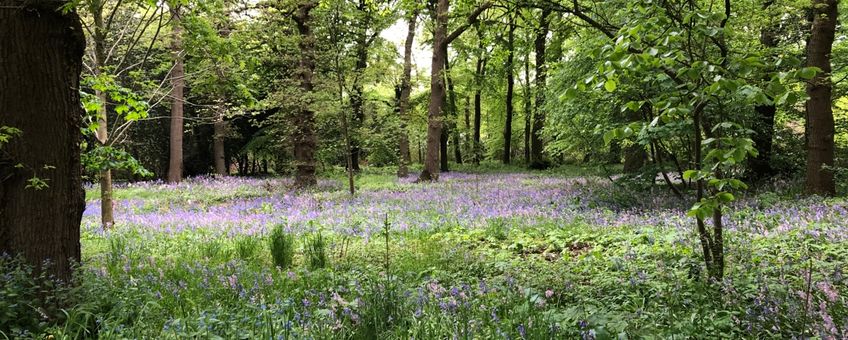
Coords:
pixel 441 40
pixel 175 168
pixel 820 124
pixel 357 100
pixel 537 160
pixel 101 29
pixel 479 79
pixel 510 89
pixel 405 91
pixel 107 23
pixel 763 126
pixel 41 49
pixel 449 128
pixel 303 134
pixel 528 107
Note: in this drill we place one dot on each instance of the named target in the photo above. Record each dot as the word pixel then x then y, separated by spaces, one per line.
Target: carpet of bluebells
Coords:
pixel 502 256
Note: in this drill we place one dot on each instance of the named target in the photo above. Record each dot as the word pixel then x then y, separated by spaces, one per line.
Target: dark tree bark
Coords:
pixel 441 40
pixel 405 91
pixel 479 74
pixel 820 124
pixel 450 129
pixel 41 53
pixel 760 166
pixel 175 168
pixel 537 159
pixel 220 134
pixel 528 108
pixel 457 142
pixel 510 90
pixel 447 124
pixel 468 140
pixel 303 134
pixel 357 100
pixel 635 155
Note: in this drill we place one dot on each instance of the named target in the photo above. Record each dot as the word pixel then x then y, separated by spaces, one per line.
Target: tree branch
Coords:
pixel 472 19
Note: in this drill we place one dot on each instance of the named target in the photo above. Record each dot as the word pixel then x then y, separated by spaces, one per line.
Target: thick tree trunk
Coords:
pixel 175 168
pixel 820 144
pixel 510 90
pixel 437 94
pixel 41 53
pixel 441 39
pixel 220 134
pixel 537 159
pixel 305 140
pixel 405 91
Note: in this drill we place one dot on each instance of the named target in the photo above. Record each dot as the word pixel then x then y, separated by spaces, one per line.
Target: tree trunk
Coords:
pixel 437 94
pixel 443 150
pixel 357 100
pixel 41 53
pixel 635 155
pixel 510 89
pixel 441 39
pixel 763 136
pixel 454 116
pixel 478 105
pixel 175 168
pixel 107 215
pixel 537 160
pixel 305 140
pixel 218 151
pixel 528 107
pixel 450 128
pixel 405 91
pixel 820 144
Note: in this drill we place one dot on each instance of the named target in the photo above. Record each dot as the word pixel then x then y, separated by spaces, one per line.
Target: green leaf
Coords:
pixel 610 85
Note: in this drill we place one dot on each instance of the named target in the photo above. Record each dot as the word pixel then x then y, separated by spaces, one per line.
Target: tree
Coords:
pixel 110 98
pixel 41 194
pixel 760 166
pixel 537 146
pixel 405 91
pixel 820 124
pixel 370 20
pixel 510 90
pixel 441 40
pixel 479 79
pixel 303 134
pixel 175 168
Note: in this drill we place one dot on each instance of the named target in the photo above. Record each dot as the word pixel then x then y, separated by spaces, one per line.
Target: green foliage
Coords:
pixel 128 106
pixel 7 133
pixel 315 251
pixel 281 244
pixel 104 158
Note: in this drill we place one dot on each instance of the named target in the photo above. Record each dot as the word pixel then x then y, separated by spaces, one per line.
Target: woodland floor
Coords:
pixel 486 255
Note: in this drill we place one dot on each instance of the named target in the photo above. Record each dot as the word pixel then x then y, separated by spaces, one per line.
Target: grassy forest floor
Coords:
pixel 476 255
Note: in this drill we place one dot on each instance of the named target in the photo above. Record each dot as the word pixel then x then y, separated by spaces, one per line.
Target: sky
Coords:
pixel 421 53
